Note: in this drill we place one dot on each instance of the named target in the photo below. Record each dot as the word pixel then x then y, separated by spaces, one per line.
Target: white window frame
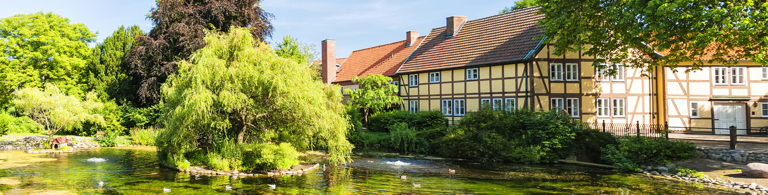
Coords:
pixel 483 102
pixel 556 72
pixel 602 73
pixel 603 107
pixel 510 104
pixel 473 74
pixel 694 109
pixel 619 72
pixel 571 72
pixel 460 107
pixel 722 77
pixel 764 109
pixel 765 73
pixel 434 77
pixel 413 106
pixel 396 83
pixel 737 75
pixel 621 107
pixel 498 106
pixel 556 103
pixel 447 107
pixel 572 106
pixel 413 80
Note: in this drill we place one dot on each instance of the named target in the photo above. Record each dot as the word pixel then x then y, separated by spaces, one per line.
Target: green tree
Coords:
pixel 42 48
pixel 53 110
pixel 374 94
pixel 520 4
pixel 632 31
pixel 179 29
pixel 237 88
pixel 107 70
pixel 293 49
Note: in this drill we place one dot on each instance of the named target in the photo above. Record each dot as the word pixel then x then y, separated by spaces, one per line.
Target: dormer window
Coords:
pixel 338 65
pixel 472 74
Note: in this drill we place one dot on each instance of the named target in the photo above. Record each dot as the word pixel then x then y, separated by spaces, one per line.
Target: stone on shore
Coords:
pixel 756 170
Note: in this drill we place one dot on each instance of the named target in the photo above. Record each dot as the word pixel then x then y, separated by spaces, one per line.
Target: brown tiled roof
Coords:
pixel 497 39
pixel 710 51
pixel 382 59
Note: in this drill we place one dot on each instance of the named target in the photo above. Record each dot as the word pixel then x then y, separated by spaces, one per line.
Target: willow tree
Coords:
pixel 236 88
pixel 52 110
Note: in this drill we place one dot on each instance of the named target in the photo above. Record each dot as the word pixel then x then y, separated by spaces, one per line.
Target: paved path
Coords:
pixel 720 138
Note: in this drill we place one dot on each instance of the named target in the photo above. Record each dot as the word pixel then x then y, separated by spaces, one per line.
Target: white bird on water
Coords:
pixel 166 190
pixel 272 186
pixel 101 183
pixel 228 187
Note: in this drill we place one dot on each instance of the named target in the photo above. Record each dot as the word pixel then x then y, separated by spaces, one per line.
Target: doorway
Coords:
pixel 727 115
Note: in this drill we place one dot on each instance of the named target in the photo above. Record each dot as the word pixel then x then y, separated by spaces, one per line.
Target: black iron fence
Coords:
pixel 632 129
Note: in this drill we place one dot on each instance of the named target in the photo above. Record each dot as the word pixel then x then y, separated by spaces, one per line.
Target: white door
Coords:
pixel 727 115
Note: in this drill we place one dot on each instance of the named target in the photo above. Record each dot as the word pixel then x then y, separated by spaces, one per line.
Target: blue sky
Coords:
pixel 355 24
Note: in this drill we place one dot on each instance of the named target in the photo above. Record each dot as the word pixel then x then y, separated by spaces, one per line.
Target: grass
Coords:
pixel 144 137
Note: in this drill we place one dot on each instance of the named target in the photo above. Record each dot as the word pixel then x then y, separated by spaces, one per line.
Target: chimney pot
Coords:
pixel 328 72
pixel 453 25
pixel 411 37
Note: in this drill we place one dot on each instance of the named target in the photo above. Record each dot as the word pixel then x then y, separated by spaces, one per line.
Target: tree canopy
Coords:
pixel 107 69
pixel 374 94
pixel 520 4
pixel 179 29
pixel 237 88
pixel 42 48
pixel 53 110
pixel 632 31
pixel 293 49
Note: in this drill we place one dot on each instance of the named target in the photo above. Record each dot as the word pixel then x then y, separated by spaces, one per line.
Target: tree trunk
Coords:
pixel 241 135
pixel 50 140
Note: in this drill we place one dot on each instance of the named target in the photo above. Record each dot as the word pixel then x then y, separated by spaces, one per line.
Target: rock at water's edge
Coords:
pixel 757 170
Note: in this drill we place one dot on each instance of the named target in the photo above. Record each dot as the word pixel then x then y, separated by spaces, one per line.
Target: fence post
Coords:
pixel 603 126
pixel 733 136
pixel 638 128
pixel 666 129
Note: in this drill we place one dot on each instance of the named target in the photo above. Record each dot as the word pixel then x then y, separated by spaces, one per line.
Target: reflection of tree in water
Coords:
pixel 337 179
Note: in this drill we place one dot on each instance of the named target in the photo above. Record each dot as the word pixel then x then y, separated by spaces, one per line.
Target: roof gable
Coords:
pixel 492 40
pixel 383 59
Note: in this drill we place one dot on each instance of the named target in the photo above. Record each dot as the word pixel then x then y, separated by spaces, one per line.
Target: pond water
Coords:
pixel 136 171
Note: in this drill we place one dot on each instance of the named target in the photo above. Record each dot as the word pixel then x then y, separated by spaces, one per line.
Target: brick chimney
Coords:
pixel 411 37
pixel 453 24
pixel 329 61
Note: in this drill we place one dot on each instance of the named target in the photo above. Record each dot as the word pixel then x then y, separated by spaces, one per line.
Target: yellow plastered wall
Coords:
pixel 413 90
pixel 542 53
pixel 557 87
pixel 472 104
pixel 509 70
pixel 423 105
pixel 446 76
pixel 459 75
pixel 484 72
pixel 496 72
pixel 434 104
pixel 763 122
pixel 434 89
pixel 423 89
pixel 509 85
pixel 497 86
pixel 572 55
pixel 447 89
pixel 485 87
pixel 423 78
pixel 458 87
pixel 472 87
pixel 540 85
pixel 572 88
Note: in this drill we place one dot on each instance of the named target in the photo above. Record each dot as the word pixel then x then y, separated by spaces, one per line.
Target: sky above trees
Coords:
pixel 354 24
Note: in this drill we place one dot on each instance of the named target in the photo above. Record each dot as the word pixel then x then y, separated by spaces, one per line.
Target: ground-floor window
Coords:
pixel 695 113
pixel 764 109
pixel 459 107
pixel 447 107
pixel 572 106
pixel 618 107
pixel 413 105
pixel 556 104
pixel 485 102
pixel 498 104
pixel 602 107
pixel 510 104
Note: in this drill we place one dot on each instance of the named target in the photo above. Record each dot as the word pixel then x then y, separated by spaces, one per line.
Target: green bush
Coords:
pixel 269 156
pixel 108 140
pixel 144 137
pixel 140 117
pixel 404 139
pixel 420 120
pixel 5 121
pixel 631 152
pixel 12 124
pixel 589 143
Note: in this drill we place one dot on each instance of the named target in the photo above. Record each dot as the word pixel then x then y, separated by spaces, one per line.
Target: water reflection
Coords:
pixel 136 171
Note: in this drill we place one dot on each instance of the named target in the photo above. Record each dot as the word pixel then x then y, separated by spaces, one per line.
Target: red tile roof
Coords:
pixel 496 39
pixel 382 59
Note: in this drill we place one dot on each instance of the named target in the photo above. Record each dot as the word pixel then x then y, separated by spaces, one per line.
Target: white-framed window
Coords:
pixel 413 105
pixel 765 73
pixel 571 72
pixel 485 102
pixel 556 72
pixel 434 77
pixel 350 87
pixel 737 75
pixel 447 107
pixel 618 107
pixel 602 107
pixel 498 103
pixel 472 74
pixel 602 73
pixel 572 106
pixel 619 76
pixel 764 109
pixel 556 104
pixel 695 111
pixel 510 104
pixel 459 107
pixel 719 74
pixel 413 80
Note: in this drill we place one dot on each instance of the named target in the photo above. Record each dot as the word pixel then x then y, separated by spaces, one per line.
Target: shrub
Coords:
pixel 145 137
pixel 12 124
pixel 140 117
pixel 589 143
pixel 420 120
pixel 269 156
pixel 108 140
pixel 633 151
pixel 5 121
pixel 404 139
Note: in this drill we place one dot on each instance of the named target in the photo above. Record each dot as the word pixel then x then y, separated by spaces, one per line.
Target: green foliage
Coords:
pixel 111 113
pixel 42 48
pixel 720 32
pixel 520 4
pixel 270 156
pixel 489 135
pixel 238 89
pixel 107 70
pixel 374 94
pixel 405 140
pixel 23 125
pixel 144 137
pixel 382 122
pixel 589 142
pixel 5 121
pixel 692 172
pixel 291 48
pixel 631 152
pixel 53 110
pixel 133 117
pixel 109 139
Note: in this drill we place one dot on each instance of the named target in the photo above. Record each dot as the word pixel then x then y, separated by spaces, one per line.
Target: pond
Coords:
pixel 136 171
